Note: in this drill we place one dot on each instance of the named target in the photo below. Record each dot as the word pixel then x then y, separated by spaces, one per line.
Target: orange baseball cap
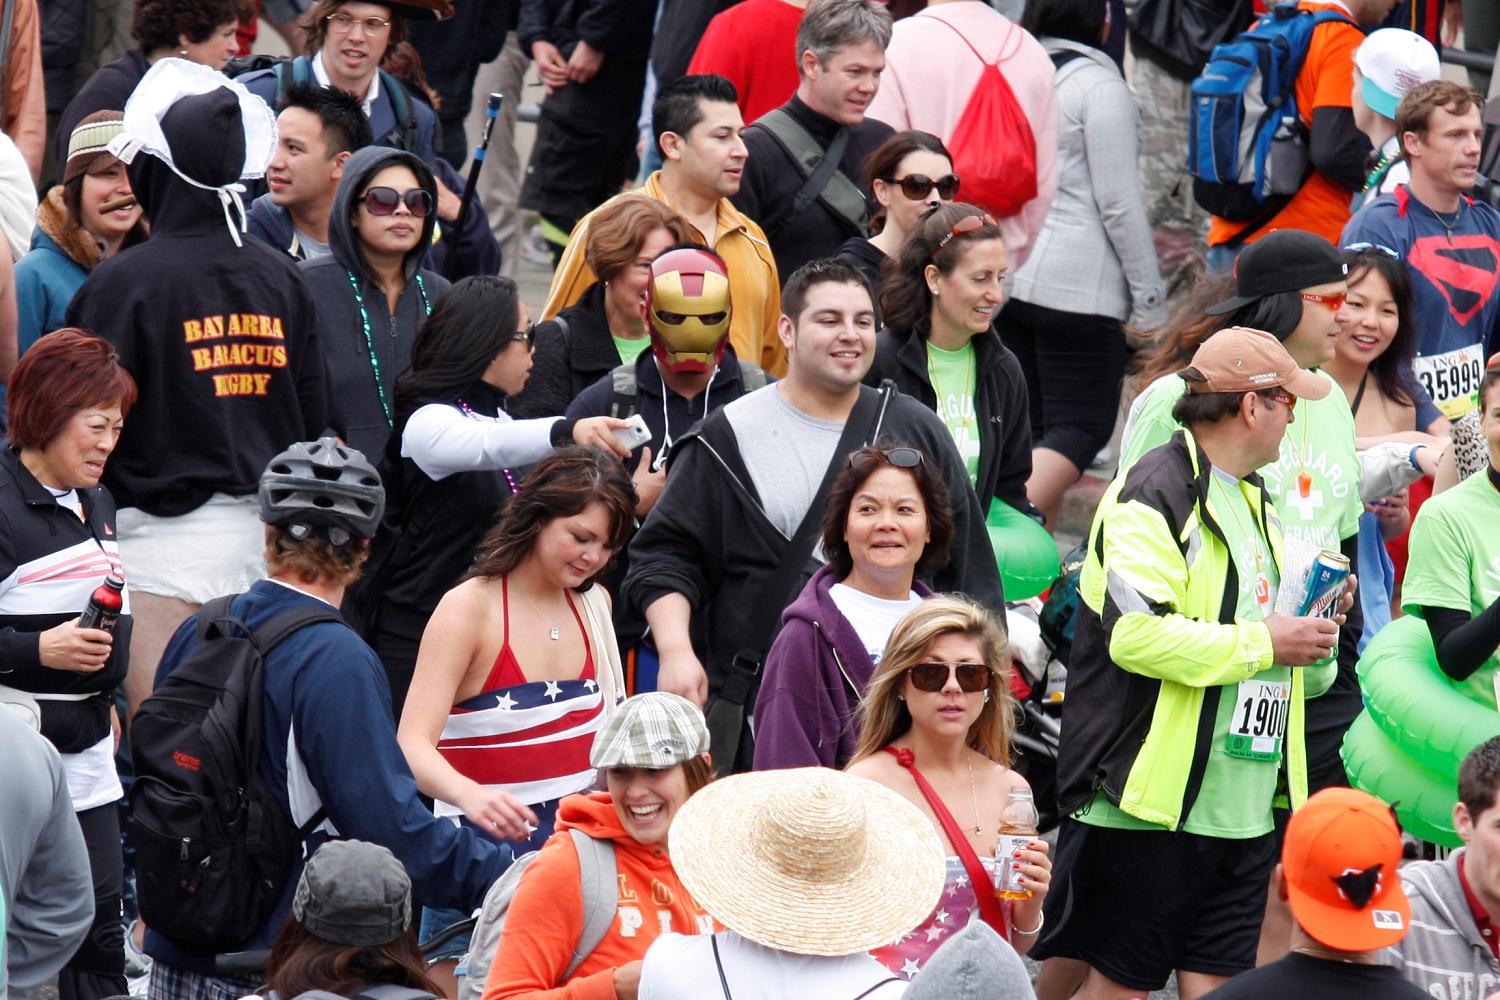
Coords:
pixel 1239 359
pixel 1340 856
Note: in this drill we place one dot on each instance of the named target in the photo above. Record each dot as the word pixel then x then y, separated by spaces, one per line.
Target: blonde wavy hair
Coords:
pixel 882 715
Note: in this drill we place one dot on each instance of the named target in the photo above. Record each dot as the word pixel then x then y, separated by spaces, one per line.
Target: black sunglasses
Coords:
pixel 918 186
pixel 901 458
pixel 383 201
pixel 972 677
pixel 528 335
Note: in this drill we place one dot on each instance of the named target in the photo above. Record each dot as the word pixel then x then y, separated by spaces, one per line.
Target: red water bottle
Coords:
pixel 103 609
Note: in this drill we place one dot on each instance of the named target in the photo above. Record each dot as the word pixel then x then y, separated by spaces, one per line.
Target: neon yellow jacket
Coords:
pixel 1157 641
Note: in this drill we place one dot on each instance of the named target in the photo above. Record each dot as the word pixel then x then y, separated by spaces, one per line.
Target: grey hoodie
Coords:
pixel 46 892
pixel 974 964
pixel 357 411
pixel 1443 954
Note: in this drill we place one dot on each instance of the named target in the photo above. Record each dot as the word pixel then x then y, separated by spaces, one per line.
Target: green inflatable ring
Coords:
pixel 1417 727
pixel 1416 704
pixel 1423 799
pixel 1025 553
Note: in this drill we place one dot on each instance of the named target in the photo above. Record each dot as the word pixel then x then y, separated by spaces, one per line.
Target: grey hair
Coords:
pixel 830 25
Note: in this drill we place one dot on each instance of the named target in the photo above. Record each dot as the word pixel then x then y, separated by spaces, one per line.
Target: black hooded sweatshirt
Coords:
pixel 221 339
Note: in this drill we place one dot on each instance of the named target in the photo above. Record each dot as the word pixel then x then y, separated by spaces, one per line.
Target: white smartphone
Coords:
pixel 634 435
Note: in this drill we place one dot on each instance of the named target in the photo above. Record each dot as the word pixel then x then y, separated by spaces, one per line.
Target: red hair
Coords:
pixel 63 373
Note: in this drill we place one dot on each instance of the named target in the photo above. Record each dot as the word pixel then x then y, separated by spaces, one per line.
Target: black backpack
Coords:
pixel 213 845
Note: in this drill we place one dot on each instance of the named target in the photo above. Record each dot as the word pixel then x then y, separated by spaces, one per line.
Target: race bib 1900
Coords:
pixel 1259 721
pixel 1452 378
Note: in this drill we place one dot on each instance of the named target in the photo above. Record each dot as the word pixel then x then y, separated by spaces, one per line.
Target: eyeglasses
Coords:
pixel 383 201
pixel 901 458
pixel 528 335
pixel 1280 396
pixel 1333 302
pixel 930 677
pixel 918 186
pixel 965 225
pixel 342 24
pixel 1367 247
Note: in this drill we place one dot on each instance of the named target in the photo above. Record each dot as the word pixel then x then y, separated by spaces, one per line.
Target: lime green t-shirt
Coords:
pixel 1318 511
pixel 1455 562
pixel 1234 800
pixel 953 374
pixel 631 348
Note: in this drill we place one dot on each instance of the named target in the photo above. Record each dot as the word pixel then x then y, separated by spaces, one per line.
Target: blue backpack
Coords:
pixel 1247 146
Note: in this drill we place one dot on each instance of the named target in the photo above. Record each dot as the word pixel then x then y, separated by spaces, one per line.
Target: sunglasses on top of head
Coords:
pixel 383 201
pixel 930 677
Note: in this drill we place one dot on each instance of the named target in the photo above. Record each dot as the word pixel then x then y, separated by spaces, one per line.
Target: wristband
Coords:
pixel 1411 456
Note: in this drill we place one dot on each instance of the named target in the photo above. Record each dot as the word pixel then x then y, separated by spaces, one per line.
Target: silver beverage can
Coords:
pixel 1325 585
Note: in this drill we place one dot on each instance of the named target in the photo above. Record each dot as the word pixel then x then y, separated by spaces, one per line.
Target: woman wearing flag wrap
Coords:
pixel 518 665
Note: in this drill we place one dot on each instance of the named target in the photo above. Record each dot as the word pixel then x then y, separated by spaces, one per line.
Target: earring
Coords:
pixel 182 52
pixel 900 697
pixel 986 697
pixel 936 292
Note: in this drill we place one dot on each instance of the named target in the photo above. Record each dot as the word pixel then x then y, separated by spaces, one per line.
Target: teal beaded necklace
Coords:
pixel 364 319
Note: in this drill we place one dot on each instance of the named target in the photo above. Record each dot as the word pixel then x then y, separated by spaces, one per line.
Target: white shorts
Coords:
pixel 215 550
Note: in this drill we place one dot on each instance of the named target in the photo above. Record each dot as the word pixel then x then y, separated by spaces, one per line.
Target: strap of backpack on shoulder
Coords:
pixel 598 875
pixel 823 181
pixel 624 391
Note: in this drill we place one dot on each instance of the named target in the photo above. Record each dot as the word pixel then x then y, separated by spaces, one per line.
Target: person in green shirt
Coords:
pixel 1184 717
pixel 606 326
pixel 1453 575
pixel 1314 480
pixel 939 300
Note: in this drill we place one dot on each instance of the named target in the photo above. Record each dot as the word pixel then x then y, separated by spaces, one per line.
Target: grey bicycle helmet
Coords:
pixel 324 485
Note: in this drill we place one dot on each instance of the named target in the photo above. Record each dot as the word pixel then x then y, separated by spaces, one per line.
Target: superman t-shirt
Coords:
pixel 1454 264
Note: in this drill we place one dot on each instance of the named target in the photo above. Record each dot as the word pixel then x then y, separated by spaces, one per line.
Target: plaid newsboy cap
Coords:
pixel 654 730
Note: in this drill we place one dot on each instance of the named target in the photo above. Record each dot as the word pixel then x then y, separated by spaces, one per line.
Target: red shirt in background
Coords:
pixel 753 45
pixel 245 33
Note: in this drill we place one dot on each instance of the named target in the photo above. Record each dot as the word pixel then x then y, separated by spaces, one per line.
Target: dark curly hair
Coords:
pixel 158 24
pixel 863 464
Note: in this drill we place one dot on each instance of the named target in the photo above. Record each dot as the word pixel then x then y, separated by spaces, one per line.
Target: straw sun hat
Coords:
pixel 809 860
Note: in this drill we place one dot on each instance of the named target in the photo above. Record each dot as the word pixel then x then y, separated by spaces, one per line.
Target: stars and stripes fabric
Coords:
pixel 530 739
pixel 955 909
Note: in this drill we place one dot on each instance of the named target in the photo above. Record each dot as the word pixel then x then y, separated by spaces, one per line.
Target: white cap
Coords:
pixel 1393 61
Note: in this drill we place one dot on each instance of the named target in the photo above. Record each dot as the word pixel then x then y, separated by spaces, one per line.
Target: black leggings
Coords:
pixel 1073 365
pixel 97 969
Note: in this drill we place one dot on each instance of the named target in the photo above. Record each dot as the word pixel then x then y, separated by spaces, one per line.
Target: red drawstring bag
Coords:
pixel 994 152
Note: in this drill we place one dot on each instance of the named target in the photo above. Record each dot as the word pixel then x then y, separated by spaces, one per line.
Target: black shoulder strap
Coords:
pixel 216 610
pixel 1062 57
pixel 406 118
pixel 713 939
pixel 284 623
pixel 877 986
pixel 624 390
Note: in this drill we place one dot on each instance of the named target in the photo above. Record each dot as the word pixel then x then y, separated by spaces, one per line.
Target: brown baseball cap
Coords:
pixel 1239 359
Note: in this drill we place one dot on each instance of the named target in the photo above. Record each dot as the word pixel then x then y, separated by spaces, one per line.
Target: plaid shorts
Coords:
pixel 169 983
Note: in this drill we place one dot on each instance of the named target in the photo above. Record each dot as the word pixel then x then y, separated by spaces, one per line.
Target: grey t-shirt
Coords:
pixel 311 248
pixel 786 451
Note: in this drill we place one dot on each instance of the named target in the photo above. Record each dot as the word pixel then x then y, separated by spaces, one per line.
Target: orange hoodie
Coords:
pixel 546 914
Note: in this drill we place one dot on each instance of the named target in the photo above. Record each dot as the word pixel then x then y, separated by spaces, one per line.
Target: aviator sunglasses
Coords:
pixel 931 677
pixel 918 186
pixel 383 201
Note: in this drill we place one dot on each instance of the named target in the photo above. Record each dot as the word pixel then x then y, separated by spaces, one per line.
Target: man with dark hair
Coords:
pixel 806 213
pixel 1453 949
pixel 1183 709
pixel 1449 242
pixel 704 566
pixel 317 131
pixel 328 743
pixel 698 128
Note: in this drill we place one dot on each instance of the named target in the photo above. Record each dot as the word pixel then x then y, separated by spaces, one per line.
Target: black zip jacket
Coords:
pixel 565 364
pixel 709 539
pixel 39 539
pixel 1000 404
pixel 222 339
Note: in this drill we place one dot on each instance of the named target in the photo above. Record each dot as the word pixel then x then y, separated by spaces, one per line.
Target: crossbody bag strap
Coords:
pixel 820 167
pixel 713 939
pixel 989 906
pixel 872 989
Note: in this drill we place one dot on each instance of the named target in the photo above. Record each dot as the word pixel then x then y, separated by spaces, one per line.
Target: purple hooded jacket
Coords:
pixel 814 676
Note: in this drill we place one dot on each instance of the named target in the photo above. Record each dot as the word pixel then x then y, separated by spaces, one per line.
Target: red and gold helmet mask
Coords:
pixel 687 309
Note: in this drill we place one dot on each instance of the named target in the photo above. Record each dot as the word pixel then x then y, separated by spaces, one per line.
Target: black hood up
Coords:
pixel 207 138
